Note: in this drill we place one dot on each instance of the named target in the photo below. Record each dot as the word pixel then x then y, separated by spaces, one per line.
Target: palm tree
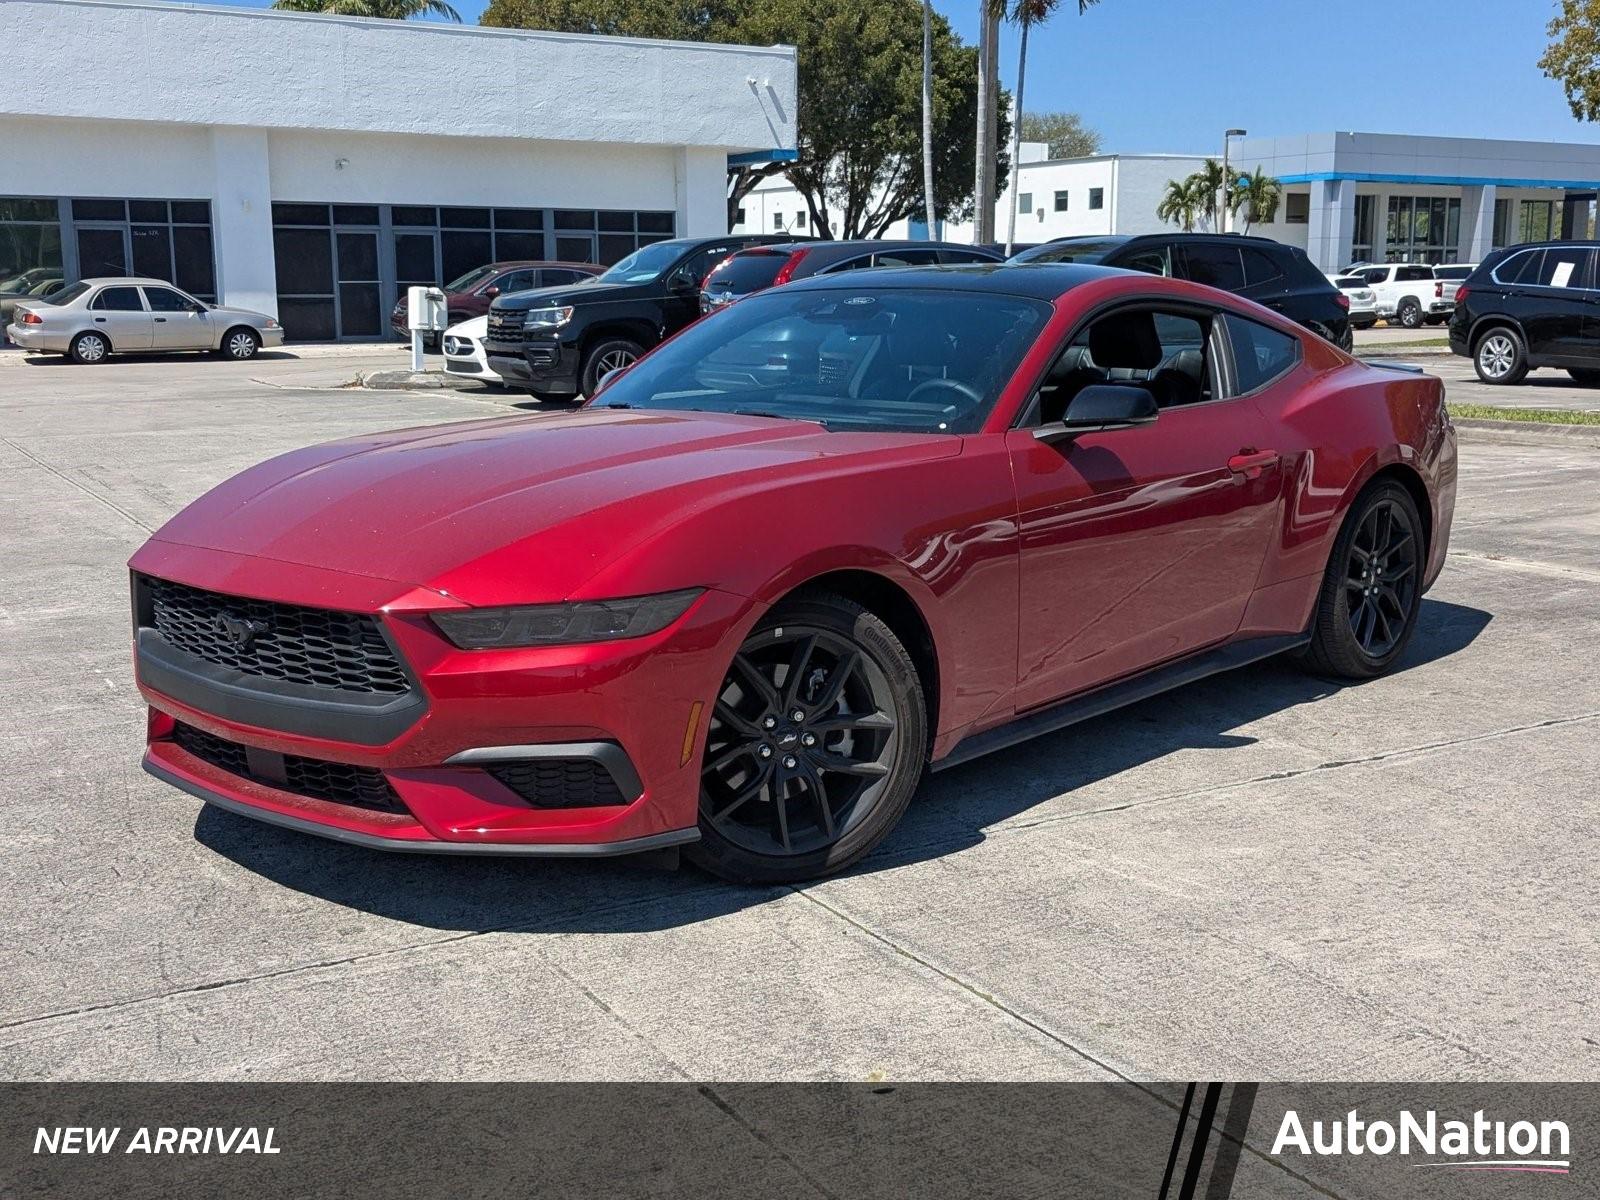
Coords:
pixel 927 111
pixel 990 14
pixel 1257 196
pixel 393 10
pixel 1208 184
pixel 1183 202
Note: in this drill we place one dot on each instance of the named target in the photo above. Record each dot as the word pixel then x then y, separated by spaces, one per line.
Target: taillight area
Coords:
pixel 1438 291
pixel 1461 295
pixel 787 272
pixel 1344 301
pixel 32 318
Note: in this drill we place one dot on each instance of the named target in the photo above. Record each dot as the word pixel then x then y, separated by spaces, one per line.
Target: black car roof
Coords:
pixel 1040 281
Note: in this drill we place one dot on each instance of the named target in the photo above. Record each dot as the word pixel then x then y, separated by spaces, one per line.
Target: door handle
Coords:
pixel 1250 463
pixel 99 320
pixel 161 320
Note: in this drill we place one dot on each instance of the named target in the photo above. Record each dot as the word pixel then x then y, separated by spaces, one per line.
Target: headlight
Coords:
pixel 564 624
pixel 548 318
pixel 270 323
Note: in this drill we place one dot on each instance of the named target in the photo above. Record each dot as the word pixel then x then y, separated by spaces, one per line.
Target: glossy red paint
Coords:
pixel 1038 570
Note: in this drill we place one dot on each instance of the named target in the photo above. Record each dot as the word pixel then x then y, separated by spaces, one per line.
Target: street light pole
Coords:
pixel 1222 209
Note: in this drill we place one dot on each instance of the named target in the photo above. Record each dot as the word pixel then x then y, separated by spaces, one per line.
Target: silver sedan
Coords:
pixel 98 317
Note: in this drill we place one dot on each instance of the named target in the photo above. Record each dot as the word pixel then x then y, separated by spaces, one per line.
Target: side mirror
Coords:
pixel 1101 408
pixel 492 291
pixel 196 306
pixel 608 379
pixel 683 281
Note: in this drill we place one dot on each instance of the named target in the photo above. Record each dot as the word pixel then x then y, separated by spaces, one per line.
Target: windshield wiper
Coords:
pixel 761 412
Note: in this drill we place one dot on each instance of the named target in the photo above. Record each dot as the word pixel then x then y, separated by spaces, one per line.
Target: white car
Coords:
pixel 1363 300
pixel 1406 294
pixel 1448 278
pixel 463 351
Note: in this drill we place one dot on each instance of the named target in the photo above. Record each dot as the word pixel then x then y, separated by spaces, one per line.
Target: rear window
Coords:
pixel 1079 250
pixel 65 296
pixel 747 272
pixel 1451 272
pixel 1350 283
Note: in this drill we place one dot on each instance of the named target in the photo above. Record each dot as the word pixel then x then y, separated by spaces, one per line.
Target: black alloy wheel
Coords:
pixel 815 744
pixel 1373 586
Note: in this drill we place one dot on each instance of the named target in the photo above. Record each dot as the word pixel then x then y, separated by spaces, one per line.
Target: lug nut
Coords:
pixel 808 739
pixel 769 722
pixel 789 761
pixel 797 715
pixel 764 752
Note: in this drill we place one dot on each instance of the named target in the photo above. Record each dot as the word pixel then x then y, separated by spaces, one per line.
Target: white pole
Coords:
pixel 416 350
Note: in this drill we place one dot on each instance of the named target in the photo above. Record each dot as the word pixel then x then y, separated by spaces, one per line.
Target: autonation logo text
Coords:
pixel 1478 1144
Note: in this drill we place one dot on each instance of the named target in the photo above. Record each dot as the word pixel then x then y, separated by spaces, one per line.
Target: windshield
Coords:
pixel 65 296
pixel 1078 250
pixel 470 280
pixel 863 358
pixel 644 264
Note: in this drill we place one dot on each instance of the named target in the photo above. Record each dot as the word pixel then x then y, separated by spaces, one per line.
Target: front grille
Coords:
pixel 559 782
pixel 505 324
pixel 340 783
pixel 316 647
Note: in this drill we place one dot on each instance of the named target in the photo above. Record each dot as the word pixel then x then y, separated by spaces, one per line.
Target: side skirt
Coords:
pixel 1115 695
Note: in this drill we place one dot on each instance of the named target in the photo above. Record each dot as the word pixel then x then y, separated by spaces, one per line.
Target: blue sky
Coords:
pixel 1170 75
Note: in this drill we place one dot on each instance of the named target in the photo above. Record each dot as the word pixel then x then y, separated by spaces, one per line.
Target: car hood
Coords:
pixel 575 293
pixel 229 310
pixel 516 509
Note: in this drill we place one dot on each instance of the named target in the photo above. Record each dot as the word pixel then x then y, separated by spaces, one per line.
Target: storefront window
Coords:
pixel 1425 229
pixel 30 247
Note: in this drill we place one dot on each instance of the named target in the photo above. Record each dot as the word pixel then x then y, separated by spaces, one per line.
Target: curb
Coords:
pixel 1543 428
pixel 411 381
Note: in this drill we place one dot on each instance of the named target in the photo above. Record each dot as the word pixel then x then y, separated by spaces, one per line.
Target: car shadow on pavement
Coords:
pixel 61 360
pixel 949 814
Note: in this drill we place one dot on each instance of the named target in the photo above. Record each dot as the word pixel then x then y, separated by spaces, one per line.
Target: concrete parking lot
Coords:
pixel 1261 876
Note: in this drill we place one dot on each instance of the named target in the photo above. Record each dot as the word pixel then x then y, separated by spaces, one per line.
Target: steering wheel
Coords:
pixel 969 393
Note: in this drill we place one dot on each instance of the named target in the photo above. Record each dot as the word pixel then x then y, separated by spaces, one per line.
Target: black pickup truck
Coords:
pixel 559 341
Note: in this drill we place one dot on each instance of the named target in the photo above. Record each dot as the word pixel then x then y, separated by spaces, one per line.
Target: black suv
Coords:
pixel 1534 305
pixel 559 341
pixel 1257 268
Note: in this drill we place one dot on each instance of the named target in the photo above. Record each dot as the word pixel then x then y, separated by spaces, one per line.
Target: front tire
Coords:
pixel 1500 356
pixel 816 742
pixel 240 344
pixel 606 356
pixel 1410 313
pixel 89 348
pixel 1372 588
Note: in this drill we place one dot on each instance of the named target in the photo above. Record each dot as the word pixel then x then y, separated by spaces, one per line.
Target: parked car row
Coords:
pixel 1412 294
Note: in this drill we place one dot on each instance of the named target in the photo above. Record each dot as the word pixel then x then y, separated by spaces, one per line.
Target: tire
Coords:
pixel 1587 376
pixel 240 343
pixel 606 355
pixel 1409 313
pixel 1499 355
pixel 89 348
pixel 1346 341
pixel 1372 588
pixel 760 820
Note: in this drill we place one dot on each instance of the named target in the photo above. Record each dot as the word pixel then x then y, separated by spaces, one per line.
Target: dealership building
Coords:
pixel 315 166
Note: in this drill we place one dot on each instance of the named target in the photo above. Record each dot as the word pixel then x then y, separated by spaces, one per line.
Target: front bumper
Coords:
pixel 540 364
pixel 271 337
pixel 638 707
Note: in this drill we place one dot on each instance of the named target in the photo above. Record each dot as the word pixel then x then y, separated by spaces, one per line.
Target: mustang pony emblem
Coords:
pixel 241 631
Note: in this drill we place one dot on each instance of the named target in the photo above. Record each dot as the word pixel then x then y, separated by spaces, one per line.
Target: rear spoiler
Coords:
pixel 1394 364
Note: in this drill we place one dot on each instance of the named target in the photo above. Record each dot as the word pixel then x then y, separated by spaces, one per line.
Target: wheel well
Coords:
pixel 99 333
pixel 1412 482
pixel 233 329
pixel 638 332
pixel 890 603
pixel 1488 323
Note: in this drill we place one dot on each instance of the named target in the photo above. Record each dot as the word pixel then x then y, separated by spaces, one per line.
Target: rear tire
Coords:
pixel 605 356
pixel 816 741
pixel 89 348
pixel 1372 588
pixel 1409 313
pixel 1499 356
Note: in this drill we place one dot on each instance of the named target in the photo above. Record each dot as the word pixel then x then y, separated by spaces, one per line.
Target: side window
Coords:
pixel 1414 274
pixel 1165 352
pixel 1375 275
pixel 906 258
pixel 699 264
pixel 118 299
pixel 1564 268
pixel 1260 268
pixel 1061 201
pixel 964 256
pixel 166 300
pixel 1215 266
pixel 850 264
pixel 1155 261
pixel 1520 268
pixel 1260 354
pixel 1097 197
pixel 521 281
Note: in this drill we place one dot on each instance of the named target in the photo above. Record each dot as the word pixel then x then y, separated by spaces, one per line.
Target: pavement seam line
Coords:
pixel 85 489
pixel 1529 565
pixel 1279 776
pixel 971 989
pixel 726 1107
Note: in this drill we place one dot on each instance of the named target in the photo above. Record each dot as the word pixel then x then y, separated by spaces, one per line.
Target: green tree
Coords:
pixel 393 10
pixel 1064 132
pixel 1256 195
pixel 1573 56
pixel 1184 202
pixel 859 121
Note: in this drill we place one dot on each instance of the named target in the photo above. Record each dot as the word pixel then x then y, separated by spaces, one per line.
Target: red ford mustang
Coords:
pixel 741 600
